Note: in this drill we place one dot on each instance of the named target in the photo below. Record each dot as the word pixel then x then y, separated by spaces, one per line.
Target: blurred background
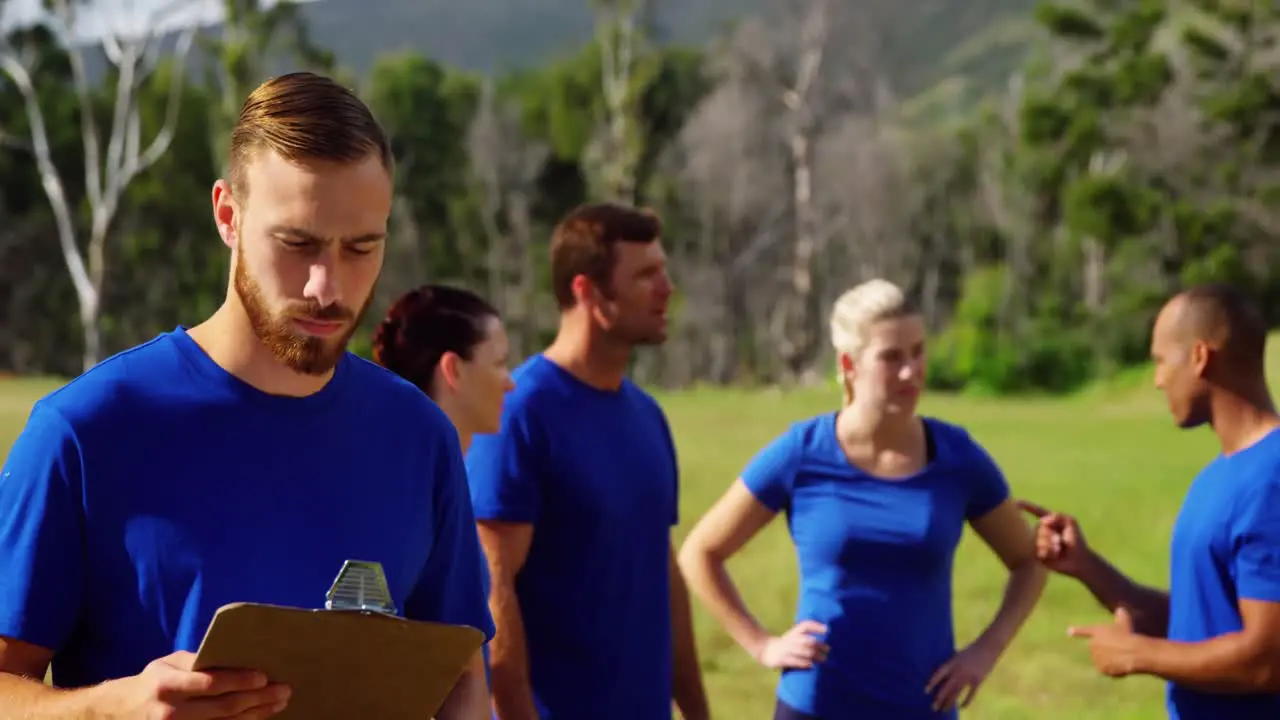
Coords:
pixel 1040 176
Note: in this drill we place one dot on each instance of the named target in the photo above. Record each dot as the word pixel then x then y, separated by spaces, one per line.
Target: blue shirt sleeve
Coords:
pixel 771 474
pixel 1255 536
pixel 987 485
pixel 451 588
pixel 41 531
pixel 505 470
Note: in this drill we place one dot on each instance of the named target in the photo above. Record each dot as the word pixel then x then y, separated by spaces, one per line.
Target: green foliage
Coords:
pixel 1047 226
pixel 426 110
pixel 1069 22
pixel 1110 208
pixel 973 354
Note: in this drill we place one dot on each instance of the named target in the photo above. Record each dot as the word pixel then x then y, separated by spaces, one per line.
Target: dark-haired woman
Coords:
pixel 452 344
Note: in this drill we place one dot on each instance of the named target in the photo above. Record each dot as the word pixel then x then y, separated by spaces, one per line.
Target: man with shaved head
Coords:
pixel 1214 637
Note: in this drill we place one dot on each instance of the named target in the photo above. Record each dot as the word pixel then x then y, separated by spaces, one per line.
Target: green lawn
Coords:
pixel 1112 458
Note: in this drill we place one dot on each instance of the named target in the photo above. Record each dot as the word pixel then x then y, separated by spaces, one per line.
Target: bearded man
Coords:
pixel 241 460
pixel 578 492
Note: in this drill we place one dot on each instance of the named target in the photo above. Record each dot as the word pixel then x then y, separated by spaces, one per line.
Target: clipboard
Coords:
pixel 356 658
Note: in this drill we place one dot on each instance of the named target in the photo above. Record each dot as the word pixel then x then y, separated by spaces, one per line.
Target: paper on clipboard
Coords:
pixel 354 659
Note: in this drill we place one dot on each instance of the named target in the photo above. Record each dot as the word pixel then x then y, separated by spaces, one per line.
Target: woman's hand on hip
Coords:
pixel 801 647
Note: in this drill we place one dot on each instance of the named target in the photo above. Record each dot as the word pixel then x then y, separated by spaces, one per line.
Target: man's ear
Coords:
pixel 225 212
pixel 583 290
pixel 589 296
pixel 1200 356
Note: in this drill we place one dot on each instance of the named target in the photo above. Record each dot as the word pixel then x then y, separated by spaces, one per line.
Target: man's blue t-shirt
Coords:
pixel 875 559
pixel 594 471
pixel 157 487
pixel 1226 548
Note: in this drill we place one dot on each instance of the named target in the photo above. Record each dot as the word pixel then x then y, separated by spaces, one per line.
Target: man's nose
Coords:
pixel 322 284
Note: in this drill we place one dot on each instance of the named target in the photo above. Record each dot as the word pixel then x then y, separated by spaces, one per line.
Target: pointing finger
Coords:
pixel 1081 632
pixel 1030 507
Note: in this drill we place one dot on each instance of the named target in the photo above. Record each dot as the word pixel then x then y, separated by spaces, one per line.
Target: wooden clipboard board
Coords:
pixel 342 664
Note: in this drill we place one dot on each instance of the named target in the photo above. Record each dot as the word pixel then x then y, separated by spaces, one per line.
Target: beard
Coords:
pixel 297 351
pixel 636 334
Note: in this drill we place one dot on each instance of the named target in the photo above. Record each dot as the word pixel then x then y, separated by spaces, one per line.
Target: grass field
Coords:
pixel 1111 457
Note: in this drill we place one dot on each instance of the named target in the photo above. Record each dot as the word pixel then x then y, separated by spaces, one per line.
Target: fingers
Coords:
pixel 969 692
pixel 1124 619
pixel 950 689
pixel 810 627
pixel 946 697
pixel 181 660
pixel 247 705
pixel 1050 545
pixel 797 661
pixel 1030 507
pixel 939 675
pixel 1082 632
pixel 214 682
pixel 261 713
pixel 1070 533
pixel 805 639
pixel 809 647
pixel 799 648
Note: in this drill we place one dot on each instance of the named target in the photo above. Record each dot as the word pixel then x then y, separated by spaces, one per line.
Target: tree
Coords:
pixel 250 31
pixel 504 167
pixel 133 55
pixel 623 77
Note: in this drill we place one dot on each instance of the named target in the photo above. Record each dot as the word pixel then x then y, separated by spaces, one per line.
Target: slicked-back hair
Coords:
pixel 584 240
pixel 304 116
pixel 425 323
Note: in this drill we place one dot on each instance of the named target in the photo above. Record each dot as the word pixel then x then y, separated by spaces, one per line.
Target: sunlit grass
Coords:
pixel 1109 455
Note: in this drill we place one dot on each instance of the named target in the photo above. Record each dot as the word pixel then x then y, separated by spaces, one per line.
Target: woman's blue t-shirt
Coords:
pixel 875 561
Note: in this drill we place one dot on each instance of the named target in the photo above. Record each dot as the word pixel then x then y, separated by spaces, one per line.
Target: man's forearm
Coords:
pixel 1225 664
pixel 1112 588
pixel 509 657
pixel 469 699
pixel 22 697
pixel 690 695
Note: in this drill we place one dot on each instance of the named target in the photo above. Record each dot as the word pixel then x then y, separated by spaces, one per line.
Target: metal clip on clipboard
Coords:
pixel 361 586
pixel 356 657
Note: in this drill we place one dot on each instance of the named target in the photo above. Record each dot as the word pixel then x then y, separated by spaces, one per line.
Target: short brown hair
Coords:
pixel 1226 314
pixel 584 240
pixel 304 116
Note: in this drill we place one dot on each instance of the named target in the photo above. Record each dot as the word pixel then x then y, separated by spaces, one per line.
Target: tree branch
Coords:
pixel 49 177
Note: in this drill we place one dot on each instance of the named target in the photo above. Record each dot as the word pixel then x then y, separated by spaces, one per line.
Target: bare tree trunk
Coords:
pixel 1095 264
pixel 618 38
pixel 106 178
pixel 796 342
pixel 526 291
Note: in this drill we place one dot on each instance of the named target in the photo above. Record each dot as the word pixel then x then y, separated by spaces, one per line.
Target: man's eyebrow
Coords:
pixel 299 233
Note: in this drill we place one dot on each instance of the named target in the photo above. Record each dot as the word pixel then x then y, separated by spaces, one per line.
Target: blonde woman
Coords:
pixel 876 499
